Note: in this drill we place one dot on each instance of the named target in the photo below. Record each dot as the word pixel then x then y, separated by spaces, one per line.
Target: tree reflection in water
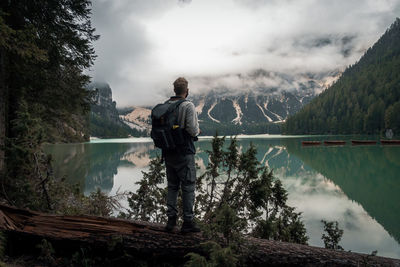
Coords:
pixel 357 186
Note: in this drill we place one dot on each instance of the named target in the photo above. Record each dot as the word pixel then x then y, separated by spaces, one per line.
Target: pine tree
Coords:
pixel 44 48
pixel 235 195
pixel 363 100
pixel 148 203
pixel 333 235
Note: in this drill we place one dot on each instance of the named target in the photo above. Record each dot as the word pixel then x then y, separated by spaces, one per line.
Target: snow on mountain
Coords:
pixel 254 105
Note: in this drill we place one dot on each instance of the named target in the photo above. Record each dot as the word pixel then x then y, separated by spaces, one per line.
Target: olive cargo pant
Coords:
pixel 181 173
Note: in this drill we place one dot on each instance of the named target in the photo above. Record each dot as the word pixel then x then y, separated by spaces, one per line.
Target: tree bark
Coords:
pixel 150 242
pixel 3 104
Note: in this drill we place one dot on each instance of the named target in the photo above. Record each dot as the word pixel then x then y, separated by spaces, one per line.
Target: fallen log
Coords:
pixel 151 243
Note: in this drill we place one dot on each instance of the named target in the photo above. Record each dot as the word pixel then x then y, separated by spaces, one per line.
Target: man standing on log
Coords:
pixel 180 165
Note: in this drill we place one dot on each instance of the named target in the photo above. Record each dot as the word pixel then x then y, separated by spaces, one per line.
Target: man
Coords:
pixel 180 165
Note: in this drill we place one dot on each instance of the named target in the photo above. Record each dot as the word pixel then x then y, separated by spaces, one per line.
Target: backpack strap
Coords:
pixel 175 105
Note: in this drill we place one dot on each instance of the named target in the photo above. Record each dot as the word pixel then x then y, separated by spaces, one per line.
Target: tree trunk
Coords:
pixel 152 244
pixel 3 104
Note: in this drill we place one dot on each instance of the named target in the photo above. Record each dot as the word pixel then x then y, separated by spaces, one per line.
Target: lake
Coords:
pixel 358 186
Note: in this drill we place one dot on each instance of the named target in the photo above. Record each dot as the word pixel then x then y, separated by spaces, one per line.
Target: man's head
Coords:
pixel 181 87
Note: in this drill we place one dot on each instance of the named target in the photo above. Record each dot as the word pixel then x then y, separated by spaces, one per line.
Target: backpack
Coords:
pixel 165 131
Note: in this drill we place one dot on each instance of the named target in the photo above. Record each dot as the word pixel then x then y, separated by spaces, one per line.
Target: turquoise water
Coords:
pixel 358 186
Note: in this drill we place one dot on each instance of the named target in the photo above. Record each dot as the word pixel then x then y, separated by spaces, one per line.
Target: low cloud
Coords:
pixel 145 45
pixel 261 81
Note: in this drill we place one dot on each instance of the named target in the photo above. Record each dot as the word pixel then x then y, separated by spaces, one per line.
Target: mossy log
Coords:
pixel 153 244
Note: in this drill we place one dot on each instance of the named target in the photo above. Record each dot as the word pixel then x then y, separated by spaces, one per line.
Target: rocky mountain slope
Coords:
pixel 250 110
pixel 137 118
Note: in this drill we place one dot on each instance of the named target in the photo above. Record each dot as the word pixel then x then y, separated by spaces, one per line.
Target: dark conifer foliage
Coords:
pixel 46 45
pixel 44 48
pixel 333 235
pixel 235 195
pixel 365 100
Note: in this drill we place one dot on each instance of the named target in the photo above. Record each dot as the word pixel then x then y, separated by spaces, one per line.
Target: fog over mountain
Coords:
pixel 145 45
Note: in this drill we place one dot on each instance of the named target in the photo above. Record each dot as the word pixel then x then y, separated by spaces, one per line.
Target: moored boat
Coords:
pixel 334 142
pixel 310 143
pixel 390 142
pixel 364 142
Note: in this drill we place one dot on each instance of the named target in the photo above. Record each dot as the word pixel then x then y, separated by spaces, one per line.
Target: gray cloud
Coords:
pixel 145 45
pixel 261 81
pixel 184 2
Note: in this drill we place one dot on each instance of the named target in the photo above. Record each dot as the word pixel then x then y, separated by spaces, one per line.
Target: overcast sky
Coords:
pixel 145 45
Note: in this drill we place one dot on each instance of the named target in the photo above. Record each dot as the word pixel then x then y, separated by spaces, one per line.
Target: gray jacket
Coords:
pixel 187 117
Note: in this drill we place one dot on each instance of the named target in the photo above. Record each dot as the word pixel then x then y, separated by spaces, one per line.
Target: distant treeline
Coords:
pixel 104 128
pixel 365 100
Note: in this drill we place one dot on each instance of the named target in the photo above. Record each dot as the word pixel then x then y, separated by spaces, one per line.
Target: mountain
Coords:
pixel 366 98
pixel 137 118
pixel 273 97
pixel 104 117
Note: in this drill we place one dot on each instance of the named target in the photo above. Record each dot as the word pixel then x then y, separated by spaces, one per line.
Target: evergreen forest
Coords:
pixel 365 99
pixel 103 127
pixel 45 46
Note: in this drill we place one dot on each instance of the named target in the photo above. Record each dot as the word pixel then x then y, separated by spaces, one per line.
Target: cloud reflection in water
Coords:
pixel 319 198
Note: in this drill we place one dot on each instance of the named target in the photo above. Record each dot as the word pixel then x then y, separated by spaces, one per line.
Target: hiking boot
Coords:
pixel 170 224
pixel 190 227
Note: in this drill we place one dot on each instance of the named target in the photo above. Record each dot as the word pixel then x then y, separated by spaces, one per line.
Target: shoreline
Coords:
pixel 94 140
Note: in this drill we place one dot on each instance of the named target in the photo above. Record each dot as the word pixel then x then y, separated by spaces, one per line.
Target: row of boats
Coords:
pixel 353 142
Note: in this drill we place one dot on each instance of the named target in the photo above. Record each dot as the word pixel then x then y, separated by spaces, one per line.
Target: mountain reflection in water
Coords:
pixel 358 186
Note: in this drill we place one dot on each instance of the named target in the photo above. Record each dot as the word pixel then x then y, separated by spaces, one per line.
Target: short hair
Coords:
pixel 180 85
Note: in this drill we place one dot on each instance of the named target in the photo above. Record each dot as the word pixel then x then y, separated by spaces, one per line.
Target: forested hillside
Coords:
pixel 104 118
pixel 366 98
